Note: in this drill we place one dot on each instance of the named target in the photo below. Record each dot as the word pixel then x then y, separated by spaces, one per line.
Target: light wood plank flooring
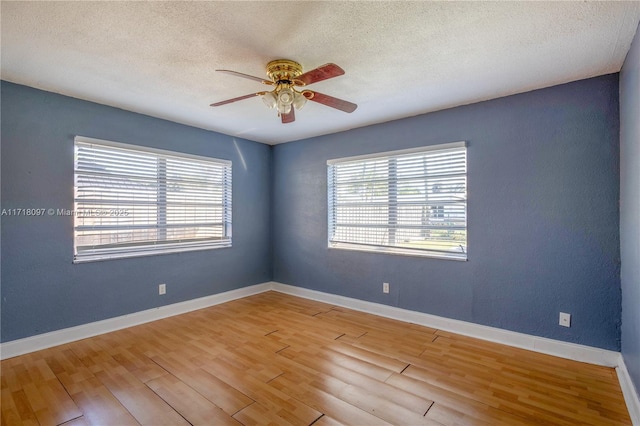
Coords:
pixel 274 359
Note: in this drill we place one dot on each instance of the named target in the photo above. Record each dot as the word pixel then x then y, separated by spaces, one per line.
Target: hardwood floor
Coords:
pixel 274 359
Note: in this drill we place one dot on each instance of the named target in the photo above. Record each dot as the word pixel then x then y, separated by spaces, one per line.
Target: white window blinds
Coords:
pixel 404 202
pixel 134 201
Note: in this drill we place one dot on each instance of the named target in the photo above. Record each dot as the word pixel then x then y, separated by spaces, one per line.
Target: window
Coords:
pixel 134 201
pixel 405 202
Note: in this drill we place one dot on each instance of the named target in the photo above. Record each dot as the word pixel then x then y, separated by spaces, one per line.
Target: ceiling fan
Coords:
pixel 286 75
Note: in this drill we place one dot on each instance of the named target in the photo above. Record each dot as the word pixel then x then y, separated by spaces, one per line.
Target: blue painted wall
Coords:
pixel 630 208
pixel 543 217
pixel 42 290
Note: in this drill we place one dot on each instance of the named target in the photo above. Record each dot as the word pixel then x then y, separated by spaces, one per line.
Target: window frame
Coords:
pixel 100 252
pixel 393 204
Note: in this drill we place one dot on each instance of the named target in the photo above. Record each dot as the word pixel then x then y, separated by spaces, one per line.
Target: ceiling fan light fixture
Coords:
pixel 284 109
pixel 270 100
pixel 298 101
pixel 284 76
pixel 285 96
pixel 285 100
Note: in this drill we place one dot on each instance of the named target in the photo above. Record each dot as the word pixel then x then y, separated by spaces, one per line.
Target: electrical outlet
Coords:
pixel 162 289
pixel 565 319
pixel 385 287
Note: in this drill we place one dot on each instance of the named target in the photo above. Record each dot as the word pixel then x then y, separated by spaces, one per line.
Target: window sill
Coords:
pixel 116 256
pixel 460 257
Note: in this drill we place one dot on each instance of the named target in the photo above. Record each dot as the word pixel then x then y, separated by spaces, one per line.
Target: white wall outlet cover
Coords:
pixel 565 319
pixel 162 289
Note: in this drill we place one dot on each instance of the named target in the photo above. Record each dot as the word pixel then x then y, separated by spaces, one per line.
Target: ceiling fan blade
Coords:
pixel 250 77
pixel 239 98
pixel 289 118
pixel 330 101
pixel 323 72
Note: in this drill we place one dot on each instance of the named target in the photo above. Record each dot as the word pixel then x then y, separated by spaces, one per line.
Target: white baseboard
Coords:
pixel 511 338
pixel 59 337
pixel 631 397
pixel 539 344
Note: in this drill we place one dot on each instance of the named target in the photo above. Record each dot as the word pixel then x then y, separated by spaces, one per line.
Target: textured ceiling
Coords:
pixel 401 58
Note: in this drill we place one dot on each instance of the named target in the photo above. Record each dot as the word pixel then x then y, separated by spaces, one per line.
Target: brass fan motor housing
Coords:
pixel 283 70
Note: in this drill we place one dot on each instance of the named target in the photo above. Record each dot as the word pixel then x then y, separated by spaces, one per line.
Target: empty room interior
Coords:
pixel 309 212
